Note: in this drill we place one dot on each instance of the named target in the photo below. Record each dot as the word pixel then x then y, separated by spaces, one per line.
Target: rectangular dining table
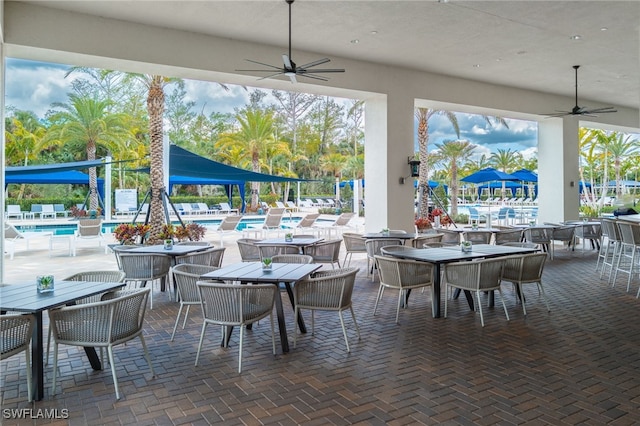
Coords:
pixel 25 298
pixel 252 272
pixel 441 256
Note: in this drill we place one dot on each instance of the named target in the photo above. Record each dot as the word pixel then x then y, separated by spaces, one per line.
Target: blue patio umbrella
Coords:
pixel 488 175
pixel 525 175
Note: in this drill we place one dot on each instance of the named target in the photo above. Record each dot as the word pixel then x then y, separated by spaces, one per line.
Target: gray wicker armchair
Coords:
pixel 292 258
pixel 402 275
pixel 249 252
pixel 141 268
pixel 325 252
pixel 478 276
pixel 185 277
pixel 105 324
pixel 353 243
pixel 235 305
pixel 373 246
pixel 329 290
pixel 15 337
pixel 525 269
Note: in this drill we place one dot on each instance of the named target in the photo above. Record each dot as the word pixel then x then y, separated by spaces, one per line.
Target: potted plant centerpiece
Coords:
pixel 288 237
pixel 45 283
pixel 465 246
pixel 423 224
pixel 266 263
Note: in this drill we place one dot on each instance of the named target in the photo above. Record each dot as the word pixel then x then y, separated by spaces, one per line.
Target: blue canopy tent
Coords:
pixel 39 174
pixel 432 184
pixel 228 185
pixel 489 175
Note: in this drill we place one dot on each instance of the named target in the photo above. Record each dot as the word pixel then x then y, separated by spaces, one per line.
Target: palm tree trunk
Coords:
pixel 155 109
pixel 423 179
pixel 93 179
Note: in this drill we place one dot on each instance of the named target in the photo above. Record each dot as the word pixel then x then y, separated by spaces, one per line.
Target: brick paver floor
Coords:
pixel 578 364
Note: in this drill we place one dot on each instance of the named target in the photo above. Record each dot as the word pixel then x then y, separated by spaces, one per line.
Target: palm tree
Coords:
pixel 87 122
pixel 255 136
pixel 505 160
pixel 454 152
pixel 620 147
pixel 423 115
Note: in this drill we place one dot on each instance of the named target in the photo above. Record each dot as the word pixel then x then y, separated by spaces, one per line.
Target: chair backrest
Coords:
pixel 272 250
pixel 11 232
pixel 449 237
pixel 226 304
pixel 59 208
pixel 373 245
pixel 478 237
pixel 13 208
pixel 398 272
pixel 118 317
pixel 36 208
pixel 477 275
pixel 203 207
pixel 15 334
pixel 229 223
pixel 524 268
pixel 88 228
pixel 48 208
pixel 589 231
pixel 185 276
pixel 563 233
pixel 537 235
pixel 273 218
pixel 508 236
pixel 331 289
pixel 344 219
pixel 421 240
pixel 629 232
pixel 144 266
pixel 280 204
pixel 612 230
pixel 354 243
pixel 308 220
pixel 389 250
pixel 199 258
pixel 193 243
pixel 249 252
pixel 96 277
pixel 117 249
pixel 324 251
pixel 292 258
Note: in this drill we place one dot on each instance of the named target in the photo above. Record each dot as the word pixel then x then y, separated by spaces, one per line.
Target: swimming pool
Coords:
pixel 69 228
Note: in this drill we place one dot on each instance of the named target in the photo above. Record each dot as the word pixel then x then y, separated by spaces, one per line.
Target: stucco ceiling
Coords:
pixel 525 44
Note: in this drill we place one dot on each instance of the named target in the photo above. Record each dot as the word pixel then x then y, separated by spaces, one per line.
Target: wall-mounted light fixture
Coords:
pixel 415 169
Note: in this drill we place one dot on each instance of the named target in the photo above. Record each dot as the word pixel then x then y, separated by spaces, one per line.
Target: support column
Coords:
pixel 558 169
pixel 389 141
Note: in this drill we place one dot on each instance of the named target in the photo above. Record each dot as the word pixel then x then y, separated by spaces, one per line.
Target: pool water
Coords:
pixel 107 228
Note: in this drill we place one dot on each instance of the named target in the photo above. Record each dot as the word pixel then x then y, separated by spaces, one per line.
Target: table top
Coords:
pixel 253 272
pixel 295 242
pixel 629 217
pixel 177 250
pixel 25 297
pixel 396 235
pixel 454 253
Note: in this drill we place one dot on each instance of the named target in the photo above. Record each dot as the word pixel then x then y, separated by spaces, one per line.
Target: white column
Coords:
pixel 558 173
pixel 2 158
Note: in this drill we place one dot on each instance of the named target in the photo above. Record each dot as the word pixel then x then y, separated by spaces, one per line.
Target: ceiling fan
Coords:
pixel 290 69
pixel 578 110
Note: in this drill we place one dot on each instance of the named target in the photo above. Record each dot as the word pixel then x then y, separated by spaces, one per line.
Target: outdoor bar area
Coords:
pixel 448 290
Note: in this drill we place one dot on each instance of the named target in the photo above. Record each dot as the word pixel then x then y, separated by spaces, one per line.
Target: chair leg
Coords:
pixel 400 294
pixel 46 360
pixel 29 378
pixel 296 312
pixel 204 328
pixel 175 326
pixel 446 299
pixel 113 370
pixel 503 304
pixel 146 355
pixel 273 334
pixel 242 327
pixel 480 308
pixel 55 367
pixel 344 331
pixel 380 291
pixel 544 296
pixel 519 288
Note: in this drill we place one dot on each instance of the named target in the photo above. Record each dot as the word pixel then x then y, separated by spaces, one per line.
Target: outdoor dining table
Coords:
pixel 25 298
pixel 441 256
pixel 252 272
pixel 299 242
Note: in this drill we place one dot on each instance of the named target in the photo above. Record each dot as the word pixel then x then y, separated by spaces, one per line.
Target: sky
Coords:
pixel 34 86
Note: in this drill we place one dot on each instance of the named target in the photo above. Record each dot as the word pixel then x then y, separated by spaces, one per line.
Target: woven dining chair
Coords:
pixel 508 236
pixel 525 269
pixel 15 337
pixel 402 275
pixel 185 277
pixel 478 276
pixel 477 237
pixel 105 324
pixel 235 305
pixel 325 252
pixel 143 268
pixel 353 243
pixel 249 252
pixel 272 250
pixel 373 246
pixel 328 290
pixel 292 258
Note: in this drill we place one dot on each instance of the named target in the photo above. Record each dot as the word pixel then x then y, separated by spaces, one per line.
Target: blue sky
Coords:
pixel 34 86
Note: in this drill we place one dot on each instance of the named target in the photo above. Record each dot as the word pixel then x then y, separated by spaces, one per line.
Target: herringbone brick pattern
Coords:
pixel 578 364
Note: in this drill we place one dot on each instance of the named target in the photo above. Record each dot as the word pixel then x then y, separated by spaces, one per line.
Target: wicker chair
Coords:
pixel 539 236
pixel 423 239
pixel 119 248
pixel 15 337
pixel 402 274
pixel 235 305
pixel 508 236
pixel 373 246
pixel 326 291
pixel 292 258
pixel 90 276
pixel 566 234
pixel 193 243
pixel 185 277
pixel 353 243
pixel 105 324
pixel 249 252
pixel 477 237
pixel 449 237
pixel 197 258
pixel 525 269
pixel 141 268
pixel 275 249
pixel 479 276
pixel 325 252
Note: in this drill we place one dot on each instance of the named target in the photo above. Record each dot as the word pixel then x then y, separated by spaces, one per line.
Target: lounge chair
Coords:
pixel 13 210
pixel 226 208
pixel 89 229
pixel 48 212
pixel 338 225
pixel 204 209
pixel 305 224
pixel 12 236
pixel 291 206
pixel 271 223
pixel 60 210
pixel 228 226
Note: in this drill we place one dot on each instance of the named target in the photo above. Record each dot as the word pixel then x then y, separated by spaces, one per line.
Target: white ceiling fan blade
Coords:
pixel 315 63
pixel 315 77
pixel 292 77
pixel 326 70
pixel 272 75
pixel 262 63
